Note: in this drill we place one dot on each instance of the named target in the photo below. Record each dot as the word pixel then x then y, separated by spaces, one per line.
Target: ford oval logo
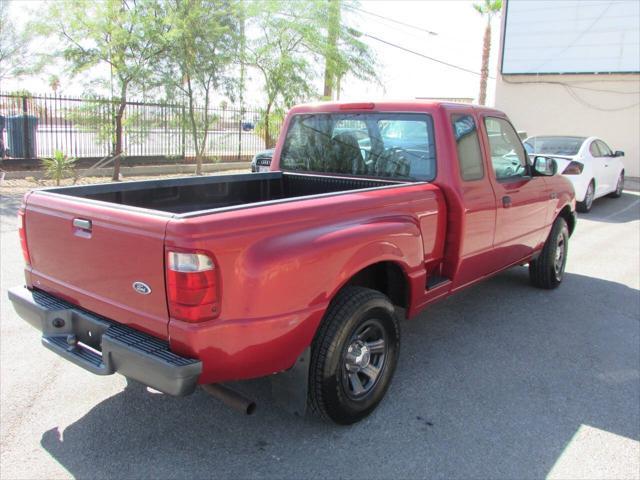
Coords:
pixel 142 288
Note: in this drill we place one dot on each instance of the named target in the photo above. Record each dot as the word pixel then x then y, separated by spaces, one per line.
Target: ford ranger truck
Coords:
pixel 370 211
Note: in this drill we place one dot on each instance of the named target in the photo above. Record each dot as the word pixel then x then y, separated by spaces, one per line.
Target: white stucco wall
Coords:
pixel 605 105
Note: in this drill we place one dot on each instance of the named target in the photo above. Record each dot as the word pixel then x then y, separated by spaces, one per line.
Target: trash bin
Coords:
pixel 21 136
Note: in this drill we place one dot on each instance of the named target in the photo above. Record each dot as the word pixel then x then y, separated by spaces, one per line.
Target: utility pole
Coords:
pixel 333 31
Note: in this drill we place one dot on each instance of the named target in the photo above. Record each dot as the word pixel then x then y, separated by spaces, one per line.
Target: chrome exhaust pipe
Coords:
pixel 231 398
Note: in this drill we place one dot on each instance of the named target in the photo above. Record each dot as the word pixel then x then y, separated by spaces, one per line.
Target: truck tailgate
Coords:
pixel 92 255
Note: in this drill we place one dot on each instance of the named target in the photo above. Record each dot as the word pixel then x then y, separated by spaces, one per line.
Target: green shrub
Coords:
pixel 59 166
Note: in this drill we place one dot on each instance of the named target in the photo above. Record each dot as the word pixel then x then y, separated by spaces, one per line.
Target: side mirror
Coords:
pixel 544 166
pixel 618 153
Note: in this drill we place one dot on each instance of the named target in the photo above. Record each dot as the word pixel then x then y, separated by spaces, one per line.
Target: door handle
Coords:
pixel 506 201
pixel 82 224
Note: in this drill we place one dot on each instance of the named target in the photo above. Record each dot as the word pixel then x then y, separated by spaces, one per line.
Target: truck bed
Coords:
pixel 193 195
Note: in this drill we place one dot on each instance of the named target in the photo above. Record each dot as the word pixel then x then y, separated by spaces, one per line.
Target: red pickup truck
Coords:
pixel 371 211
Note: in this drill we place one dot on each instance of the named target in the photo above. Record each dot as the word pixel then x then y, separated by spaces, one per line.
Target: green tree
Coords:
pixel 201 47
pixel 14 46
pixel 54 83
pixel 290 40
pixel 342 47
pixel 121 35
pixel 284 52
pixel 488 9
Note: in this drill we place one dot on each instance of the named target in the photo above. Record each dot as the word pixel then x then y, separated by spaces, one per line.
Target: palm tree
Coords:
pixel 488 8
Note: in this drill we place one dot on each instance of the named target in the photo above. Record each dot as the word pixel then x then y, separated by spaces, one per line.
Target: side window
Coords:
pixel 594 150
pixel 468 147
pixel 507 153
pixel 605 151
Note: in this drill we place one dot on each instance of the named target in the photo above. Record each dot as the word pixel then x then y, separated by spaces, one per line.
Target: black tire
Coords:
pixel 338 389
pixel 585 205
pixel 619 187
pixel 547 270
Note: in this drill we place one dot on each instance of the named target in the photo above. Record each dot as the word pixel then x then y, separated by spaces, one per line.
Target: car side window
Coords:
pixel 468 147
pixel 594 150
pixel 508 156
pixel 605 151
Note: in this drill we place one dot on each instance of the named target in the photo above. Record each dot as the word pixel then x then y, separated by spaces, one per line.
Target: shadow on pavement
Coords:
pixel 485 388
pixel 614 210
pixel 9 205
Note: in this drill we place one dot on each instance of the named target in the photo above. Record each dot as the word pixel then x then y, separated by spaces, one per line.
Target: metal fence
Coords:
pixel 34 126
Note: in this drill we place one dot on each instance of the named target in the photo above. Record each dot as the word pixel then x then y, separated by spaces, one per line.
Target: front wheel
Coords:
pixel 547 270
pixel 353 356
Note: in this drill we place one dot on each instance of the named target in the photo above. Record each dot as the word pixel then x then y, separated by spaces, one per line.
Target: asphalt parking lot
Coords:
pixel 499 381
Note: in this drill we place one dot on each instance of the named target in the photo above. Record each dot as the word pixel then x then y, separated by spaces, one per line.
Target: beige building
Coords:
pixel 572 68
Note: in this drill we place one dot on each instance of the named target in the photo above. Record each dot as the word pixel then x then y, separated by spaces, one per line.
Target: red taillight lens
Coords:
pixel 574 168
pixel 193 290
pixel 22 231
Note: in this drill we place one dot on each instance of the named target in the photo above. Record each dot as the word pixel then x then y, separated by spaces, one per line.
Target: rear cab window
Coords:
pixel 382 145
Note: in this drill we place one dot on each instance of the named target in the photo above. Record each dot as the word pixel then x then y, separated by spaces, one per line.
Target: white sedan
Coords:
pixel 588 162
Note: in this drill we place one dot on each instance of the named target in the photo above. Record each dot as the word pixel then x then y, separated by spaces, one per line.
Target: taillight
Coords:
pixel 22 231
pixel 193 290
pixel 574 168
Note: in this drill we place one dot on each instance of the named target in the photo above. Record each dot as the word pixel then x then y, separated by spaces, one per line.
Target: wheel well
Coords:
pixel 387 278
pixel 569 218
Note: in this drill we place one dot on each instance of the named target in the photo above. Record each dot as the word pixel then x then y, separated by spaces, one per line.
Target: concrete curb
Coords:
pixel 146 170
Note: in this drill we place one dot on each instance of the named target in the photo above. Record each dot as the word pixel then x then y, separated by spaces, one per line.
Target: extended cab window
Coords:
pixel 386 145
pixel 508 156
pixel 468 147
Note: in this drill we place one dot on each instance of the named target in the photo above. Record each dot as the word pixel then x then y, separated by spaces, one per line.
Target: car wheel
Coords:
pixel 547 270
pixel 587 203
pixel 619 187
pixel 353 356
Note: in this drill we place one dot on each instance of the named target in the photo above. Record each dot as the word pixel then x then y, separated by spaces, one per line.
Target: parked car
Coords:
pixel 247 125
pixel 301 271
pixel 261 161
pixel 592 167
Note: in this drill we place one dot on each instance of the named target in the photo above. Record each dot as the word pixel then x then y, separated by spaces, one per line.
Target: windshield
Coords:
pixel 386 145
pixel 554 145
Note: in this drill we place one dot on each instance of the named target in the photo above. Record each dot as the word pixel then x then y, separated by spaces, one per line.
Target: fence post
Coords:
pixel 183 134
pixel 25 129
pixel 240 136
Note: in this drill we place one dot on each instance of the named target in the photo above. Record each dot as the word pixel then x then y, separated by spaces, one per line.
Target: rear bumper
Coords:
pixel 103 346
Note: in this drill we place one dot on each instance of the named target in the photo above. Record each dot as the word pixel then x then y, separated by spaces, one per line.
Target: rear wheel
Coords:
pixel 619 187
pixel 585 205
pixel 547 270
pixel 354 355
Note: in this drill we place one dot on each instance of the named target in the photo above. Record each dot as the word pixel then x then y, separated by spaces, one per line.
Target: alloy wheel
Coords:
pixel 558 265
pixel 364 359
